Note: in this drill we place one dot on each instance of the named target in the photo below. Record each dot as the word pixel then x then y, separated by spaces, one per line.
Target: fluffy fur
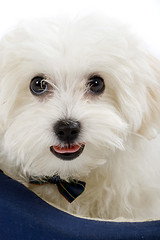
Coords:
pixel 121 160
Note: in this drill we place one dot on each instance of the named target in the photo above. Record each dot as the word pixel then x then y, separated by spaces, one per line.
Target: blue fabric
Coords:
pixel 24 216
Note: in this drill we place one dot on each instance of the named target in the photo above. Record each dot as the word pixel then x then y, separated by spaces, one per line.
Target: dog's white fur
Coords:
pixel 121 160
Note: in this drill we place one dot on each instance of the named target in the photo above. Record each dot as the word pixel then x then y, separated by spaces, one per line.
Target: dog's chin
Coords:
pixel 77 164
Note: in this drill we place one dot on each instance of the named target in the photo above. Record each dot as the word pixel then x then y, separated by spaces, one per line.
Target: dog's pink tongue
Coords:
pixel 70 149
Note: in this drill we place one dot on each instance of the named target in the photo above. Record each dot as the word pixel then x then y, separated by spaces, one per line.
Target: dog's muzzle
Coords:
pixel 67 131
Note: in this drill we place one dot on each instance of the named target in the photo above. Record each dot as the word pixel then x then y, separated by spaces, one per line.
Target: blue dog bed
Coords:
pixel 24 216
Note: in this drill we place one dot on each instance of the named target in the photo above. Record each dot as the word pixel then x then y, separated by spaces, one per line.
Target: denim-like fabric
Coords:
pixel 24 216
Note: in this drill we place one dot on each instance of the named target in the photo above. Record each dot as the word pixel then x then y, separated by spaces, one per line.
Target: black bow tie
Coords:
pixel 70 190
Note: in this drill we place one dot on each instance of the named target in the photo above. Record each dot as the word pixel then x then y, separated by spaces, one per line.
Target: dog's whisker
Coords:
pixel 51 84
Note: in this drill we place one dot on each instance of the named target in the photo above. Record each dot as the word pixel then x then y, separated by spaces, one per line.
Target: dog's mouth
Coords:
pixel 69 152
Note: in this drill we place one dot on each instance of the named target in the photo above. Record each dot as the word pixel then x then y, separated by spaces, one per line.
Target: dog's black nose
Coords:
pixel 67 130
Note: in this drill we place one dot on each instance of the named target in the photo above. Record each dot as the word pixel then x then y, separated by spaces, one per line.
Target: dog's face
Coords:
pixel 71 93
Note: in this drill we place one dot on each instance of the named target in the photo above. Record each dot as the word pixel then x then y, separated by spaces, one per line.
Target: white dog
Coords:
pixel 80 107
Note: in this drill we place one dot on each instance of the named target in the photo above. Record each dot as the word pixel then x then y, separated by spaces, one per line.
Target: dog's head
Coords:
pixel 71 93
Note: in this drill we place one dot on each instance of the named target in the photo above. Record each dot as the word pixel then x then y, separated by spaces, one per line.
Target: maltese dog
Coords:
pixel 80 116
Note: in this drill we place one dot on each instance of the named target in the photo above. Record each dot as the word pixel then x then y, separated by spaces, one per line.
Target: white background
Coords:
pixel 144 15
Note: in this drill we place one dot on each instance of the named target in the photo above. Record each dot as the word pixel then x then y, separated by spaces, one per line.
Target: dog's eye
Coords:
pixel 96 85
pixel 38 85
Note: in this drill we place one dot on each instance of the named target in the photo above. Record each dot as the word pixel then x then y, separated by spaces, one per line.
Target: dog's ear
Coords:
pixel 151 119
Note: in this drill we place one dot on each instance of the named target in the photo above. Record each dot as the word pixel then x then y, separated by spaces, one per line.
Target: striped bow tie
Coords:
pixel 70 190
